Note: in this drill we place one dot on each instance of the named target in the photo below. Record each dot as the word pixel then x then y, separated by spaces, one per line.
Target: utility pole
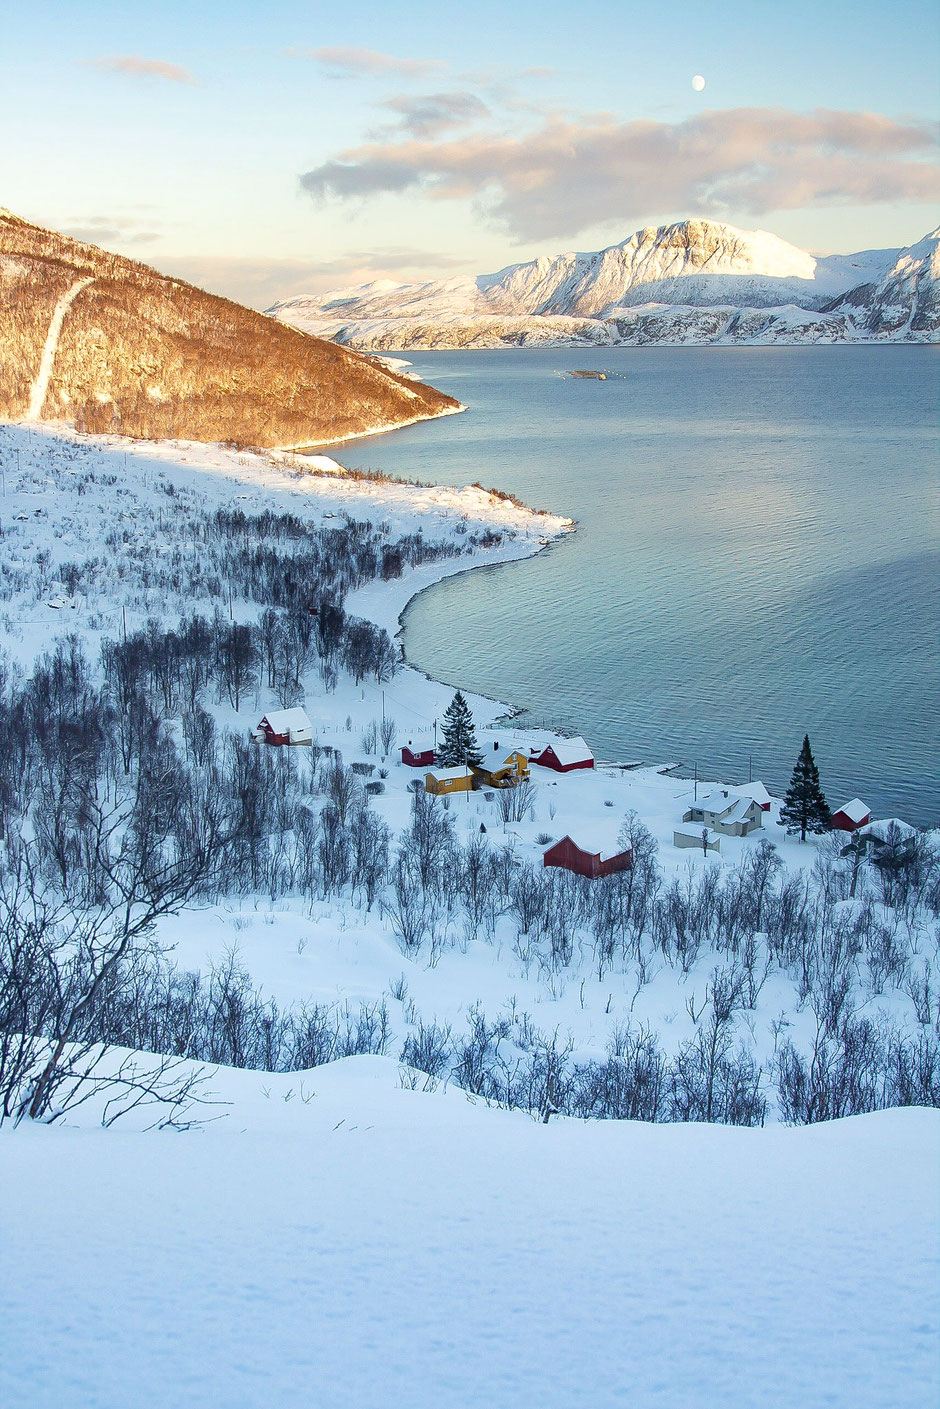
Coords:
pixel 695 776
pixel 749 760
pixel 124 618
pixel 383 706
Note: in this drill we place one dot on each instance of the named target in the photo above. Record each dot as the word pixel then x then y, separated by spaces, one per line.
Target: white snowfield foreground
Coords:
pixel 339 1242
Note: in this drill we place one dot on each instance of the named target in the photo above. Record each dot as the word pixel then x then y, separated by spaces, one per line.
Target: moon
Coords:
pixel 698 83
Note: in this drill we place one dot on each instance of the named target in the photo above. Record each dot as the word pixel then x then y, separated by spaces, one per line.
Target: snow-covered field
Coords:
pixel 335 1239
pixel 340 1242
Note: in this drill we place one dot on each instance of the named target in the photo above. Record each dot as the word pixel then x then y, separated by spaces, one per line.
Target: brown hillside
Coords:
pixel 141 354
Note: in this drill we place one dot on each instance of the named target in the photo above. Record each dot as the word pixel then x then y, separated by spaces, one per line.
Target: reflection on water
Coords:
pixel 756 556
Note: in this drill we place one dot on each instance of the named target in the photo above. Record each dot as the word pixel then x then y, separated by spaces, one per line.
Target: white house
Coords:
pixel 730 815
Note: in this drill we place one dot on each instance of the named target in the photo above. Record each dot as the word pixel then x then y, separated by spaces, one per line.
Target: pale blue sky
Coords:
pixel 445 141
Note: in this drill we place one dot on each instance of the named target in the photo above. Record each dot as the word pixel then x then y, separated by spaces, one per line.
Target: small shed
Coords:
pixel 689 837
pixel 571 857
pixel 418 754
pixel 285 726
pixel 565 756
pixel 444 781
pixel 850 816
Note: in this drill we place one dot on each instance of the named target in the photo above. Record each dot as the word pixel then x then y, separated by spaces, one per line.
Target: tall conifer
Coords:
pixel 459 742
pixel 805 808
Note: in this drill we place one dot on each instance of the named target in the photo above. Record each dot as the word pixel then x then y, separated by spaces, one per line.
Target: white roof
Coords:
pixel 694 829
pixel 856 810
pixel 570 750
pixel 441 775
pixel 288 721
pixel 714 802
pixel 418 745
pixel 741 808
pixel 756 790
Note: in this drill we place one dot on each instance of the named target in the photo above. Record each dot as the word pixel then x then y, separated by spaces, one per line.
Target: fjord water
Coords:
pixel 756 556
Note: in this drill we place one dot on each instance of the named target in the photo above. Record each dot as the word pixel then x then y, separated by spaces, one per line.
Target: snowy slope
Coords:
pixel 690 267
pixel 335 1240
pixel 905 303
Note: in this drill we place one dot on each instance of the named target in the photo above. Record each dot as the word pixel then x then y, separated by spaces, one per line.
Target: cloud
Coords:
pixel 136 67
pixel 570 174
pixel 429 114
pixel 261 282
pixel 110 230
pixel 348 63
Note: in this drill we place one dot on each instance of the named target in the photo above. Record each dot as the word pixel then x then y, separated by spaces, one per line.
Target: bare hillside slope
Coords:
pixel 114 346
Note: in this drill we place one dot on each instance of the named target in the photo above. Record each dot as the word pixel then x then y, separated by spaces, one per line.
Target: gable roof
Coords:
pixel 756 790
pixel 743 808
pixel 856 810
pixel 442 775
pixel 569 751
pixel 287 721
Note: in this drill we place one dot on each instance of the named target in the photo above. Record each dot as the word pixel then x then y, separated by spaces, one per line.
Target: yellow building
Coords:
pixel 503 772
pixel 444 781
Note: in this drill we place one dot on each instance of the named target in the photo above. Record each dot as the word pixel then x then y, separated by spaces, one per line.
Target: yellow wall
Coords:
pixel 463 784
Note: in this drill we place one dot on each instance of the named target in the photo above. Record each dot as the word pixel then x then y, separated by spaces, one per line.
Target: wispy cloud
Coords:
pixel 430 114
pixel 261 282
pixel 343 62
pixel 109 230
pixel 571 174
pixel 134 66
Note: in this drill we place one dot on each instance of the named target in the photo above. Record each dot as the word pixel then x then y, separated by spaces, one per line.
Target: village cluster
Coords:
pixel 732 811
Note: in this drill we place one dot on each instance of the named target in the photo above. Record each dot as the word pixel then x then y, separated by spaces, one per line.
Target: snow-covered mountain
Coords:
pixel 696 281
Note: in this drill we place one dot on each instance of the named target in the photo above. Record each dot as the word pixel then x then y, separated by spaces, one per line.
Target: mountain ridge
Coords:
pixel 756 286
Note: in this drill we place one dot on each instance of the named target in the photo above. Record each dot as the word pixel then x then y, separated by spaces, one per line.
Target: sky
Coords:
pixel 263 150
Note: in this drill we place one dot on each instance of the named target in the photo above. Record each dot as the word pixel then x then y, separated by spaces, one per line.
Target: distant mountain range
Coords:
pixel 694 282
pixel 113 346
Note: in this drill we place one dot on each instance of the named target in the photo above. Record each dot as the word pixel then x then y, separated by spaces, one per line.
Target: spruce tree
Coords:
pixel 805 808
pixel 459 742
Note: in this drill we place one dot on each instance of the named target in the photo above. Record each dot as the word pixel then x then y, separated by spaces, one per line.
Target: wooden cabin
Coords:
pixel 418 755
pixel 285 726
pixel 565 756
pixel 571 857
pixel 444 781
pixel 850 816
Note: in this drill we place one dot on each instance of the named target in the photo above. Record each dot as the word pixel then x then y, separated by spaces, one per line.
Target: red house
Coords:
pixel 285 726
pixel 571 857
pixel 417 755
pixel 851 816
pixel 565 756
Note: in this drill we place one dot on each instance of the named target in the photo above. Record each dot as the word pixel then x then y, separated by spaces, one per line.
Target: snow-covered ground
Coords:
pixel 335 1239
pixel 338 1241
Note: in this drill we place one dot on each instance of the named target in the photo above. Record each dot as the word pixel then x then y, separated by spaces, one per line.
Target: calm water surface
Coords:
pixel 756 556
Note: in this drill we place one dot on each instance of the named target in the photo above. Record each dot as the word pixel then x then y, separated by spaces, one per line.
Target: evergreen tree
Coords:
pixel 459 742
pixel 805 808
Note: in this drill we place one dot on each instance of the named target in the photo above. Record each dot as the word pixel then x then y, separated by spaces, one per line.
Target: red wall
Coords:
pixel 585 863
pixel 547 759
pixel 417 760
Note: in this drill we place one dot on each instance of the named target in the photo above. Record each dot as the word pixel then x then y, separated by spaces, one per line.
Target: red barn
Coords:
pixel 565 756
pixel 851 816
pixel 417 755
pixel 571 857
